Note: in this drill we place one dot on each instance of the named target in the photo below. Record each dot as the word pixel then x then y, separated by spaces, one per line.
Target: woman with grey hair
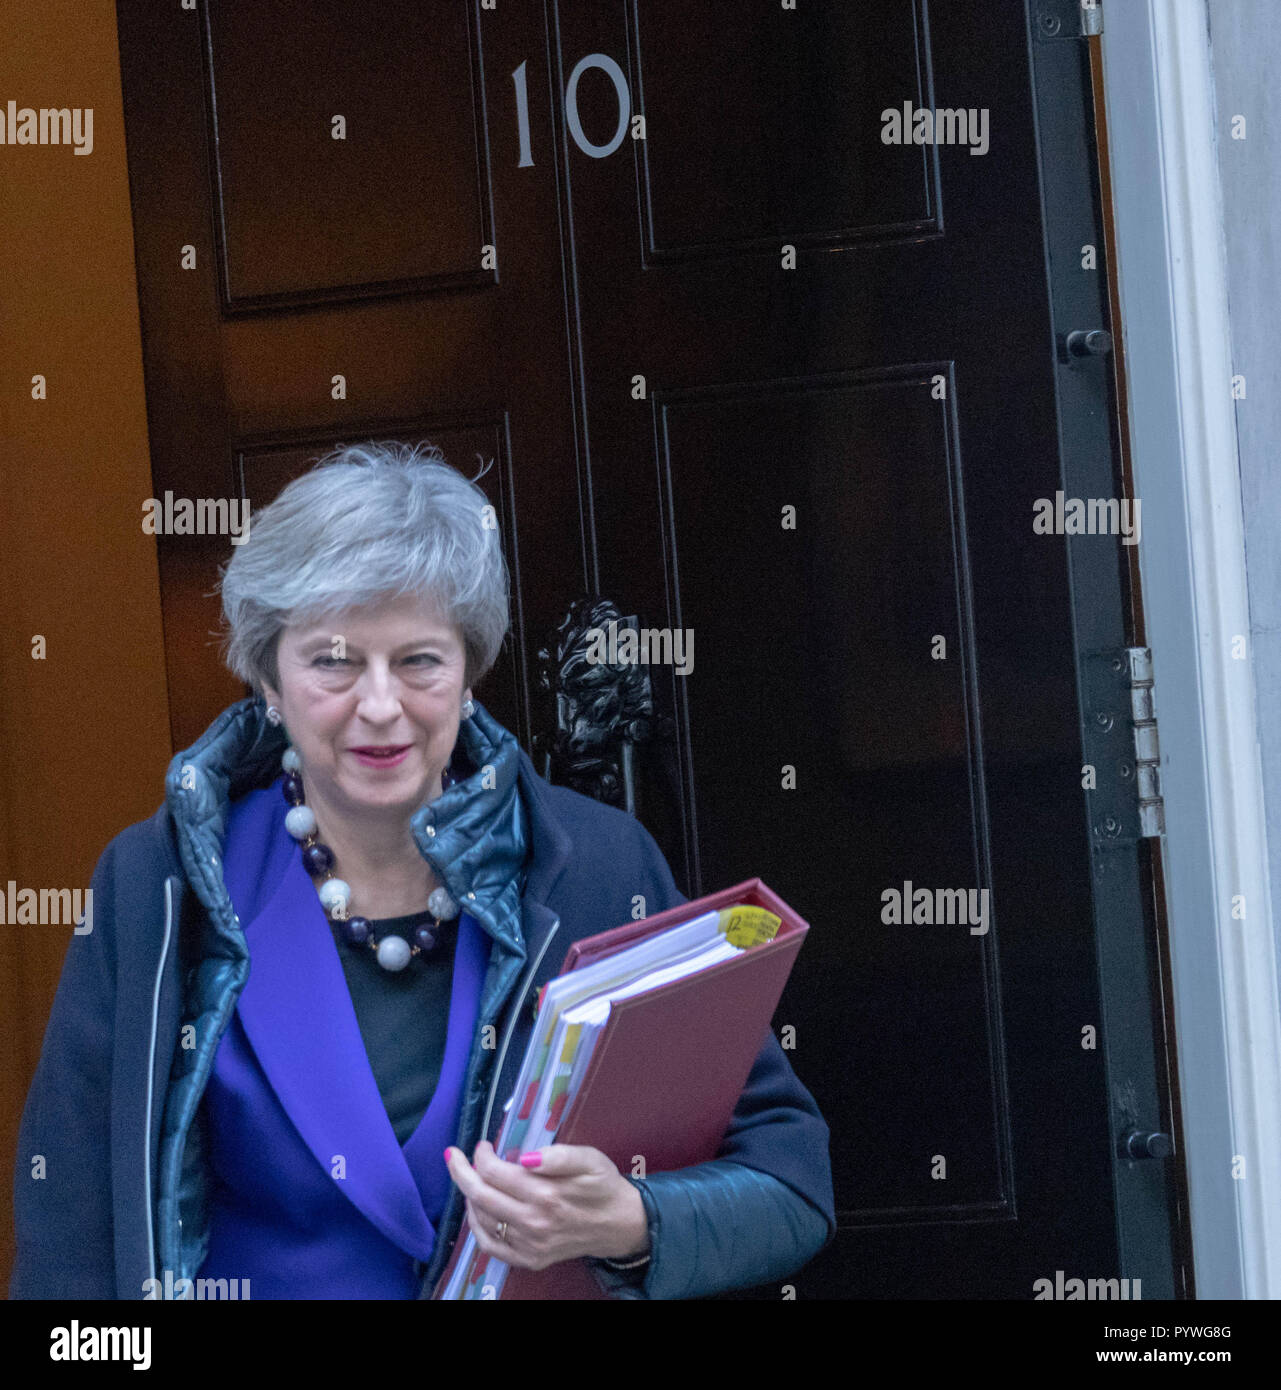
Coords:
pixel 271 1068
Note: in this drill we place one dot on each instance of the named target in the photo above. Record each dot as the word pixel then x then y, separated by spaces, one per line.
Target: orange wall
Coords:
pixel 84 734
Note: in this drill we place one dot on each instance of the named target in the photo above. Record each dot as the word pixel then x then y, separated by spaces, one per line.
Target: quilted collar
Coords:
pixel 475 835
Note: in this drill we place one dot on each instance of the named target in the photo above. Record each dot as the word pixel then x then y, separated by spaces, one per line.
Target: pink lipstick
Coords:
pixel 385 756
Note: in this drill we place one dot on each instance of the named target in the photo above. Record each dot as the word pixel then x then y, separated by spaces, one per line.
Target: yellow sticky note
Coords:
pixel 744 925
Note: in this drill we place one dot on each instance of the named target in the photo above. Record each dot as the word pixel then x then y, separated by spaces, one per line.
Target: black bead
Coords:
pixel 291 788
pixel 317 859
pixel 425 938
pixel 356 930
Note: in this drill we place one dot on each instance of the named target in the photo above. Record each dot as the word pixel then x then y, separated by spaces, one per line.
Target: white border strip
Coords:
pixel 1174 311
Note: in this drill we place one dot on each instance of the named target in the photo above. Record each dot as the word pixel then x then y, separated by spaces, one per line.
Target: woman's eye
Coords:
pixel 331 663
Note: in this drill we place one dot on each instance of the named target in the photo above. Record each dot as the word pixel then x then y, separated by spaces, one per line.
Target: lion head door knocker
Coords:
pixel 603 708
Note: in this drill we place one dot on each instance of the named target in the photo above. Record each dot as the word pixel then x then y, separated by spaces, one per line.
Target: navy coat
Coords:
pixel 146 996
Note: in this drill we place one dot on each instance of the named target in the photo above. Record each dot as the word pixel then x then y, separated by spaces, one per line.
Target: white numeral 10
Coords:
pixel 593 60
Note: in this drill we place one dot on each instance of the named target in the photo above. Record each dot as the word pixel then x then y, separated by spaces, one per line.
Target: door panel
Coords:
pixel 831 674
pixel 401 203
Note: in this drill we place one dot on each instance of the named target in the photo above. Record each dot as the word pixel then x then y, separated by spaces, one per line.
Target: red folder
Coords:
pixel 670 1065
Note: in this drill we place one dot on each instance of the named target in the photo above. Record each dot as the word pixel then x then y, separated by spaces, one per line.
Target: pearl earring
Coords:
pixel 273 715
pixel 468 709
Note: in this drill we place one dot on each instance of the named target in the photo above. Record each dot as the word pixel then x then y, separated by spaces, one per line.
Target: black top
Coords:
pixel 404 1020
pixel 403 1016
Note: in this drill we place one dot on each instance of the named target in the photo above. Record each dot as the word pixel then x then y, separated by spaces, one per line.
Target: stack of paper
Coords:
pixel 571 1018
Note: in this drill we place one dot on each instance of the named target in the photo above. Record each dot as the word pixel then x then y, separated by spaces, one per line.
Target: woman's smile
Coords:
pixel 385 756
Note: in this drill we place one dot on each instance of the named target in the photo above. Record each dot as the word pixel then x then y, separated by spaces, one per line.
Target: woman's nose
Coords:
pixel 378 692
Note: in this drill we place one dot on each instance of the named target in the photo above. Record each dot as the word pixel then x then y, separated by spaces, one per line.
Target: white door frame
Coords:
pixel 1172 279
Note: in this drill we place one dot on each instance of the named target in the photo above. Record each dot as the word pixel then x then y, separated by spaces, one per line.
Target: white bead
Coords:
pixel 300 821
pixel 393 952
pixel 335 895
pixel 441 905
pixel 290 760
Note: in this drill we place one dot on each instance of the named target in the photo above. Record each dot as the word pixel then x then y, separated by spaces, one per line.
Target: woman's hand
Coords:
pixel 574 1202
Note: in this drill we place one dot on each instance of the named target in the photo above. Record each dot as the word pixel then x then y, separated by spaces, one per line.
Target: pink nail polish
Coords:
pixel 447 1153
pixel 530 1160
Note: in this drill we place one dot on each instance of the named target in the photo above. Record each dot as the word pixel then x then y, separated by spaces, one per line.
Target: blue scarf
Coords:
pixel 312 1196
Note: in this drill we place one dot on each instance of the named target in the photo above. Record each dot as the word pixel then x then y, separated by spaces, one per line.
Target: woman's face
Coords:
pixel 371 702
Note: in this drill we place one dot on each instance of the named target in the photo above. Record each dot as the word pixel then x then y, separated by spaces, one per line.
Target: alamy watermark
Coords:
pixel 21 907
pixel 930 907
pixel 1073 1289
pixel 1088 516
pixel 200 516
pixel 50 125
pixel 945 126
pixel 188 1289
pixel 76 1343
pixel 646 646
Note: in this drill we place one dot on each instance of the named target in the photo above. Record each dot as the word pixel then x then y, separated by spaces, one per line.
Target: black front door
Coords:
pixel 777 377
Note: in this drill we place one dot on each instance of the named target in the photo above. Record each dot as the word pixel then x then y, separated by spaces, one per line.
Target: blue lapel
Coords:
pixel 304 1033
pixel 297 1014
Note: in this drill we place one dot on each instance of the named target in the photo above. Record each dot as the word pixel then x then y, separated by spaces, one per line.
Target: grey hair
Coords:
pixel 368 523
